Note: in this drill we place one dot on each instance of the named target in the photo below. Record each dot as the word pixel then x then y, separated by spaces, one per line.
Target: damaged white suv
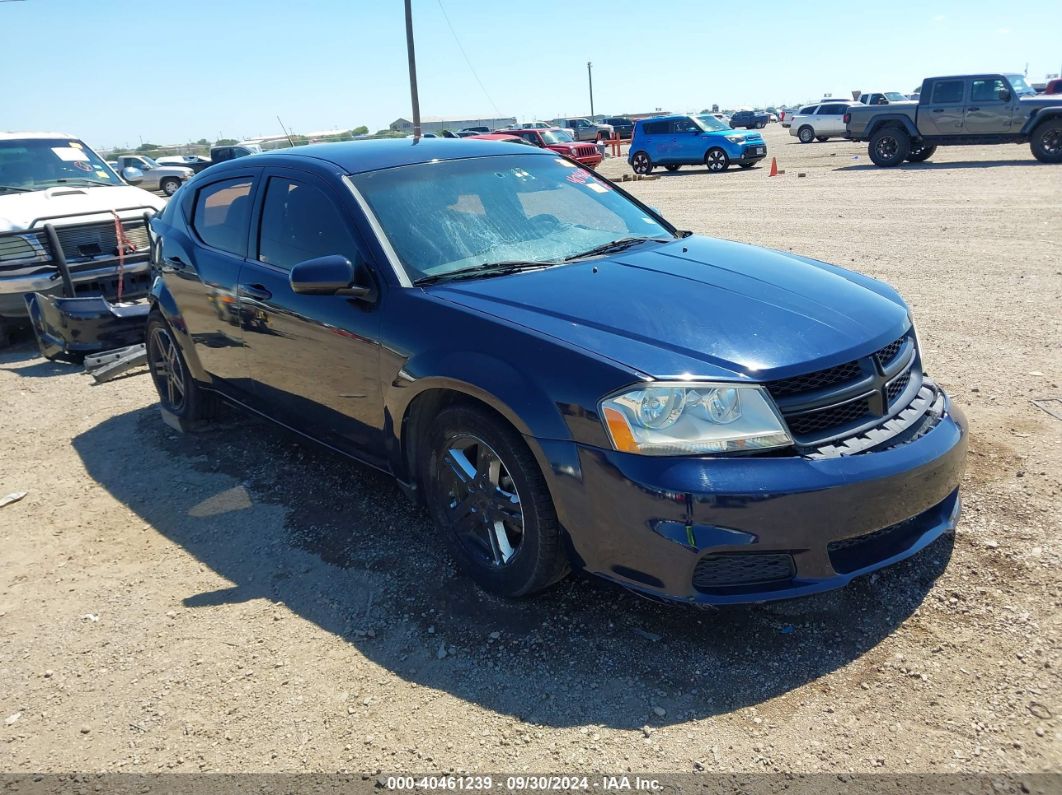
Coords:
pixel 70 226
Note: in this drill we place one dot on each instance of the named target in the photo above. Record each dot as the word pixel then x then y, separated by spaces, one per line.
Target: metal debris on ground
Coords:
pixel 1052 406
pixel 14 496
pixel 110 364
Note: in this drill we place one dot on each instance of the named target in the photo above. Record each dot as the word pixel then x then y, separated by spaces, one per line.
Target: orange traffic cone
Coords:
pixel 774 167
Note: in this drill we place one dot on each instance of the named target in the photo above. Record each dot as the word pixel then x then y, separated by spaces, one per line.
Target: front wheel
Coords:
pixel 716 160
pixel 641 163
pixel 1046 142
pixel 179 393
pixel 761 125
pixel 920 153
pixel 672 167
pixel 487 495
pixel 806 135
pixel 889 147
pixel 170 186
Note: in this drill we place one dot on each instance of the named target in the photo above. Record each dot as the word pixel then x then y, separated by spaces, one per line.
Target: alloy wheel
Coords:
pixel 166 369
pixel 887 147
pixel 716 160
pixel 481 500
pixel 641 163
pixel 1051 141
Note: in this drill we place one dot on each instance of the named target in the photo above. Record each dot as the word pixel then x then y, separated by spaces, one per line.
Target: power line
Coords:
pixel 467 61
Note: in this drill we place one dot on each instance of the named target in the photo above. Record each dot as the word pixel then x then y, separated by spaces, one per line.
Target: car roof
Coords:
pixel 670 117
pixel 15 136
pixel 355 157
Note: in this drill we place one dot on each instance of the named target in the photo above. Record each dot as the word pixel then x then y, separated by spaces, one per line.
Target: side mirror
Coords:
pixel 132 175
pixel 331 275
pixel 1004 95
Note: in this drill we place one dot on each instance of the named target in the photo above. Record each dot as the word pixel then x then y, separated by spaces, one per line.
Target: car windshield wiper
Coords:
pixel 485 270
pixel 16 188
pixel 614 245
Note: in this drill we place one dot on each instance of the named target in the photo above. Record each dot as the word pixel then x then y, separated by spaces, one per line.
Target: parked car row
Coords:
pixel 676 141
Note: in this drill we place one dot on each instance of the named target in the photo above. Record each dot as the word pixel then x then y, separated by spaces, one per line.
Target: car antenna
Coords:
pixel 291 143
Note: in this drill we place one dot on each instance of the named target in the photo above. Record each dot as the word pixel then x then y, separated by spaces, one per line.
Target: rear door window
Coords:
pixel 656 128
pixel 222 214
pixel 947 92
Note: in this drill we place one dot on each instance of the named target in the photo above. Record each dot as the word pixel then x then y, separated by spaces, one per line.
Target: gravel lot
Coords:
pixel 236 600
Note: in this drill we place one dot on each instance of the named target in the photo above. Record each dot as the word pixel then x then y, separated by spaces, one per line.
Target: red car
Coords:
pixel 562 143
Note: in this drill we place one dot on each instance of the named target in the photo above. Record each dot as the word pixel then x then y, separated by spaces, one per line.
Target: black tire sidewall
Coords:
pixel 194 407
pixel 903 147
pixel 810 136
pixel 1036 142
pixel 539 561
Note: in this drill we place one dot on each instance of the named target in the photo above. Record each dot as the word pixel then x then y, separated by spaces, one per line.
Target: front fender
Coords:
pixel 163 301
pixel 1040 115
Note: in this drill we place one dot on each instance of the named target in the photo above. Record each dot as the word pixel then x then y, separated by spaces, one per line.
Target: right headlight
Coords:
pixel 693 419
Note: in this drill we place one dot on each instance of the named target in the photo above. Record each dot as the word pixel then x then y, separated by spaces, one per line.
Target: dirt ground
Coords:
pixel 237 600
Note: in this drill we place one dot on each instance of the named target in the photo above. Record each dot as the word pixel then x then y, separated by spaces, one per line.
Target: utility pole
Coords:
pixel 590 77
pixel 411 53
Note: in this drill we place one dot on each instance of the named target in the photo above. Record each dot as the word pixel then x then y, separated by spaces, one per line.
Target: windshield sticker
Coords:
pixel 76 145
pixel 102 174
pixel 82 165
pixel 597 187
pixel 579 177
pixel 567 163
pixel 68 153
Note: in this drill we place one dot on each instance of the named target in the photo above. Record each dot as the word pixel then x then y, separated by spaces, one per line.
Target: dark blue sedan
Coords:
pixel 563 378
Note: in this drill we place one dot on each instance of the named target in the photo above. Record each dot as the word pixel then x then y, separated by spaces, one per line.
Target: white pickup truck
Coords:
pixel 64 212
pixel 166 178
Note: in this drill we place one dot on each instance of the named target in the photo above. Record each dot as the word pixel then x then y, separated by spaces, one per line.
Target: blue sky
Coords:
pixel 116 71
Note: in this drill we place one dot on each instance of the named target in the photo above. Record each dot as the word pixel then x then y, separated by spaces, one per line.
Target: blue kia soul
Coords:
pixel 673 141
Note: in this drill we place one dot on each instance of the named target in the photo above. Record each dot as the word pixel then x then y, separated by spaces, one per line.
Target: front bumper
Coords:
pixel 590 161
pixel 751 153
pixel 753 529
pixel 87 280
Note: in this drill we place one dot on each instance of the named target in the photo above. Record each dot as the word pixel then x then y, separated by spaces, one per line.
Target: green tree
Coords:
pixel 147 147
pixel 203 142
pixel 225 142
pixel 362 130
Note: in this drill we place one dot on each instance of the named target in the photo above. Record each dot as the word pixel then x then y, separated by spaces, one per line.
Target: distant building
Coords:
pixel 453 123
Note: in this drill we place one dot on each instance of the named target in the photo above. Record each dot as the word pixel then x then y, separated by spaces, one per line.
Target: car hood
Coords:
pixel 77 204
pixel 746 135
pixel 1041 101
pixel 698 308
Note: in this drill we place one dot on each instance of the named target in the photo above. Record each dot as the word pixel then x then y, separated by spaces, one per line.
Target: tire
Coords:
pixel 5 334
pixel 806 134
pixel 1046 141
pixel 179 393
pixel 889 147
pixel 920 153
pixel 761 125
pixel 746 165
pixel 169 185
pixel 487 495
pixel 822 138
pixel 672 167
pixel 641 163
pixel 716 160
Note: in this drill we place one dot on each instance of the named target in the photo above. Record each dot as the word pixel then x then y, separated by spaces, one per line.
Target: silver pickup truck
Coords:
pixel 963 109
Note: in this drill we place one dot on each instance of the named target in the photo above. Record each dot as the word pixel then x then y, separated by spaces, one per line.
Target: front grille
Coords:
pixel 585 151
pixel 831 417
pixel 736 569
pixel 897 386
pixel 828 403
pixel 889 352
pixel 99 240
pixel 821 379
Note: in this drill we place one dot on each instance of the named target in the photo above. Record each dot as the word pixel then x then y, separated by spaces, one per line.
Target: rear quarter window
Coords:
pixel 222 213
pixel 656 128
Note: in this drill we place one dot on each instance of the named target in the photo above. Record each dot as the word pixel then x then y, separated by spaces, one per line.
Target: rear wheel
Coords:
pixel 170 186
pixel 806 134
pixel 716 160
pixel 641 163
pixel 487 495
pixel 920 152
pixel 179 393
pixel 761 125
pixel 889 147
pixel 672 167
pixel 1046 142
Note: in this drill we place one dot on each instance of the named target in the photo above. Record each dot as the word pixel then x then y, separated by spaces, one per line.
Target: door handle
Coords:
pixel 253 291
pixel 973 108
pixel 938 110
